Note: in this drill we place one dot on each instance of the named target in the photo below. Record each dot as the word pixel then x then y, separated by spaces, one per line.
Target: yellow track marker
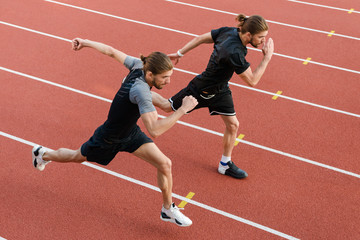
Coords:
pixel 331 33
pixel 183 203
pixel 276 96
pixel 241 136
pixel 351 10
pixel 306 61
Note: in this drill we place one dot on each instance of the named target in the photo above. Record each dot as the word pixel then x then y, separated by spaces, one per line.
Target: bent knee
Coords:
pixel 165 166
pixel 233 126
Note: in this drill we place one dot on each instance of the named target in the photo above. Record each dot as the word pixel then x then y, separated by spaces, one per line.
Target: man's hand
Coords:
pixel 268 48
pixel 175 57
pixel 188 103
pixel 77 44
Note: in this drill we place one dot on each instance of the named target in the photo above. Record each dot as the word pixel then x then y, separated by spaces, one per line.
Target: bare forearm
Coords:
pixel 259 72
pixel 253 78
pixel 164 124
pixel 190 45
pixel 205 38
pixel 156 126
pixel 103 48
pixel 79 43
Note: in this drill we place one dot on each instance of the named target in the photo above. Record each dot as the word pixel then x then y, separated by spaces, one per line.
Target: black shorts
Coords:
pixel 100 150
pixel 220 103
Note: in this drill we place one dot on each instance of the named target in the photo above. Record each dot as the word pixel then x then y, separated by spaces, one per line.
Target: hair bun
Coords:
pixel 143 59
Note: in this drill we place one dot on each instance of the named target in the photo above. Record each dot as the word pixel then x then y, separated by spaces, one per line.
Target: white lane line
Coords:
pixel 194 126
pixel 270 21
pixel 313 62
pixel 34 31
pixel 55 84
pixel 192 73
pixel 146 185
pixel 299 101
pixel 1 238
pixel 191 34
pixel 324 6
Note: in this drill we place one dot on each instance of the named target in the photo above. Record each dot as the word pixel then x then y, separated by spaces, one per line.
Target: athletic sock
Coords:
pixel 225 159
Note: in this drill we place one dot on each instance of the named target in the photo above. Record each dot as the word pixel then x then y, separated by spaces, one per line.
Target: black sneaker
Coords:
pixel 231 170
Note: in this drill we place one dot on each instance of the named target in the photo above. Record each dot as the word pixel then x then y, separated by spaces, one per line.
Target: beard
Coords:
pixel 253 44
pixel 156 85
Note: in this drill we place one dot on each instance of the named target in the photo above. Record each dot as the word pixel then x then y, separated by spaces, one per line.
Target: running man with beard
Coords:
pixel 120 132
pixel 211 87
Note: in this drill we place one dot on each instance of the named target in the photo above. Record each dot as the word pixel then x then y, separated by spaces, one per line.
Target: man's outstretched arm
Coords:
pixel 204 38
pixel 79 43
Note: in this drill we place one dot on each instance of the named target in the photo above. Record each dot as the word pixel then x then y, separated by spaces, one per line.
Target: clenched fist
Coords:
pixel 77 44
pixel 188 103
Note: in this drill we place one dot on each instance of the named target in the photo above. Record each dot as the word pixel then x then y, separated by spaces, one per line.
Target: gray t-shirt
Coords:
pixel 140 93
pixel 131 100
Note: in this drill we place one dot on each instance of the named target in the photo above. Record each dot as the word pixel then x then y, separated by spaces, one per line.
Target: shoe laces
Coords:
pixel 177 208
pixel 176 212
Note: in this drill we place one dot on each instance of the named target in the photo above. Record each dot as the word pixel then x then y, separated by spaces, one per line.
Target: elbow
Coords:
pixel 252 84
pixel 198 39
pixel 167 109
pixel 110 52
pixel 154 134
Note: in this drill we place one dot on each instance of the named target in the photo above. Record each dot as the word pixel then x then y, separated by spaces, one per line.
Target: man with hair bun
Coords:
pixel 120 132
pixel 211 87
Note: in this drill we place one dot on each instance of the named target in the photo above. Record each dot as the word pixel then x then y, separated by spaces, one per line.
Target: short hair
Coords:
pixel 157 63
pixel 254 24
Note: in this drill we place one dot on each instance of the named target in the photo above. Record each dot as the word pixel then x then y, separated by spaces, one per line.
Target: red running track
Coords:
pixel 73 201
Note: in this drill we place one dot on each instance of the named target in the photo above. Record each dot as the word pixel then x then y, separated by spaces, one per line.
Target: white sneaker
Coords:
pixel 175 216
pixel 37 153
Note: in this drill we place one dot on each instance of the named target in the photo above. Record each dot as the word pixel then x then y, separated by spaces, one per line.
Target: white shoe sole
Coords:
pixel 172 220
pixel 36 165
pixel 222 169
